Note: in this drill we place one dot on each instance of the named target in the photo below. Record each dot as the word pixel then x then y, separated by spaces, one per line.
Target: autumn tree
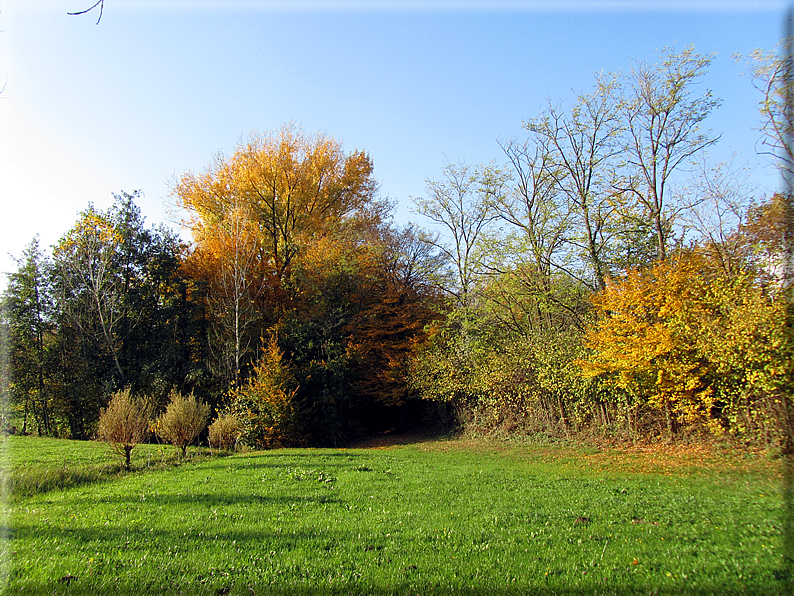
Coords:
pixel 264 407
pixel 703 345
pixel 184 418
pixel 251 214
pixel 290 184
pixel 644 346
pixel 363 296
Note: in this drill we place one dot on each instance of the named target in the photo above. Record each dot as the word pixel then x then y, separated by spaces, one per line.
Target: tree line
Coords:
pixel 587 285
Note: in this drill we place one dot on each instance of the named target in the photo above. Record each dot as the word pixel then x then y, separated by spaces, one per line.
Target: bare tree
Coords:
pixel 582 145
pixel 663 130
pixel 461 205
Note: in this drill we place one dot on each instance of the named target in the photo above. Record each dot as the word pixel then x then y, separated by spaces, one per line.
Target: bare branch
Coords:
pixel 99 3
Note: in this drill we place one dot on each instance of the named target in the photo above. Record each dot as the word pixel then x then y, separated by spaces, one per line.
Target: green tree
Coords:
pixel 30 309
pixel 125 314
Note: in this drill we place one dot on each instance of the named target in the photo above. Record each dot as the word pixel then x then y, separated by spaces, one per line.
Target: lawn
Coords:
pixel 440 517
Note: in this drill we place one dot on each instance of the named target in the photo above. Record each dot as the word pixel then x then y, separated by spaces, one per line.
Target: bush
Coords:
pixel 264 406
pixel 183 420
pixel 224 432
pixel 124 423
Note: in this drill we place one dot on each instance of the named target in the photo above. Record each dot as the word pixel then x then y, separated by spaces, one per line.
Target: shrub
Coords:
pixel 183 420
pixel 124 423
pixel 264 406
pixel 224 431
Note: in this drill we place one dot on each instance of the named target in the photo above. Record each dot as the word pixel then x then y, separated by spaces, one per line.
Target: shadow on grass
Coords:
pixel 26 482
pixel 32 481
pixel 211 500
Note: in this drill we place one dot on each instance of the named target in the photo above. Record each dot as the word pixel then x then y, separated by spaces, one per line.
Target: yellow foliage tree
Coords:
pixel 290 184
pixel 264 406
pixel 703 346
pixel 645 338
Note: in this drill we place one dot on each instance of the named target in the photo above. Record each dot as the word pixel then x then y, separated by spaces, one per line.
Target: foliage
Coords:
pixel 289 183
pixel 695 344
pixel 183 420
pixel 224 432
pixel 640 343
pixel 506 364
pixel 264 406
pixel 123 313
pixel 30 309
pixel 124 423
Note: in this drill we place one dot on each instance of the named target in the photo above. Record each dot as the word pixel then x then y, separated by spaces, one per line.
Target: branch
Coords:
pixel 99 3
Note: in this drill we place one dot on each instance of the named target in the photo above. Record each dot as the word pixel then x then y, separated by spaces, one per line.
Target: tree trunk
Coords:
pixel 670 424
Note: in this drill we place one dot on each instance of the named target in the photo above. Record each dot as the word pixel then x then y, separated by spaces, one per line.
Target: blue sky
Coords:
pixel 158 87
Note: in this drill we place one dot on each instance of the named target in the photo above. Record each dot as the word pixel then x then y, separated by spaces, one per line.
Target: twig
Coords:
pixel 99 3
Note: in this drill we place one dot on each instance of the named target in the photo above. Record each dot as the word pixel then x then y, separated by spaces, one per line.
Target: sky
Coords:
pixel 159 87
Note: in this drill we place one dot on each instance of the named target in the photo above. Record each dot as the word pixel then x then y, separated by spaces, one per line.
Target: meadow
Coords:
pixel 431 517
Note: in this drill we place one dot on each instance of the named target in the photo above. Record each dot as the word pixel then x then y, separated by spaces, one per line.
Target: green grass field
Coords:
pixel 435 517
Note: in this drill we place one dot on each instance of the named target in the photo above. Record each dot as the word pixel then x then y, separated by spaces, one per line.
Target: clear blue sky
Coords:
pixel 159 86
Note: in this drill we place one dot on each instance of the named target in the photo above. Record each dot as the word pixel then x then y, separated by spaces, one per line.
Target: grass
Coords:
pixel 35 465
pixel 437 517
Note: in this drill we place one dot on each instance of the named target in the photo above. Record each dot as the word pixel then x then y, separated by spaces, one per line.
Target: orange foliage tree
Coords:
pixel 291 242
pixel 250 215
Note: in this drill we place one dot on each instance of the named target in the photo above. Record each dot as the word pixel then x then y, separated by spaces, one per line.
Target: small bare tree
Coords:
pixel 183 420
pixel 124 423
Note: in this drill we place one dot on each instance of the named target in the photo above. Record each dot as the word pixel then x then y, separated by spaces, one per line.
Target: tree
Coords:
pixel 643 344
pixel 264 406
pixel 30 308
pixel 574 156
pixel 91 287
pixel 291 185
pixel 124 423
pixel 184 418
pixel 228 256
pixel 125 315
pixel 771 73
pixel 700 344
pixel 461 205
pixel 251 215
pixel 663 130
